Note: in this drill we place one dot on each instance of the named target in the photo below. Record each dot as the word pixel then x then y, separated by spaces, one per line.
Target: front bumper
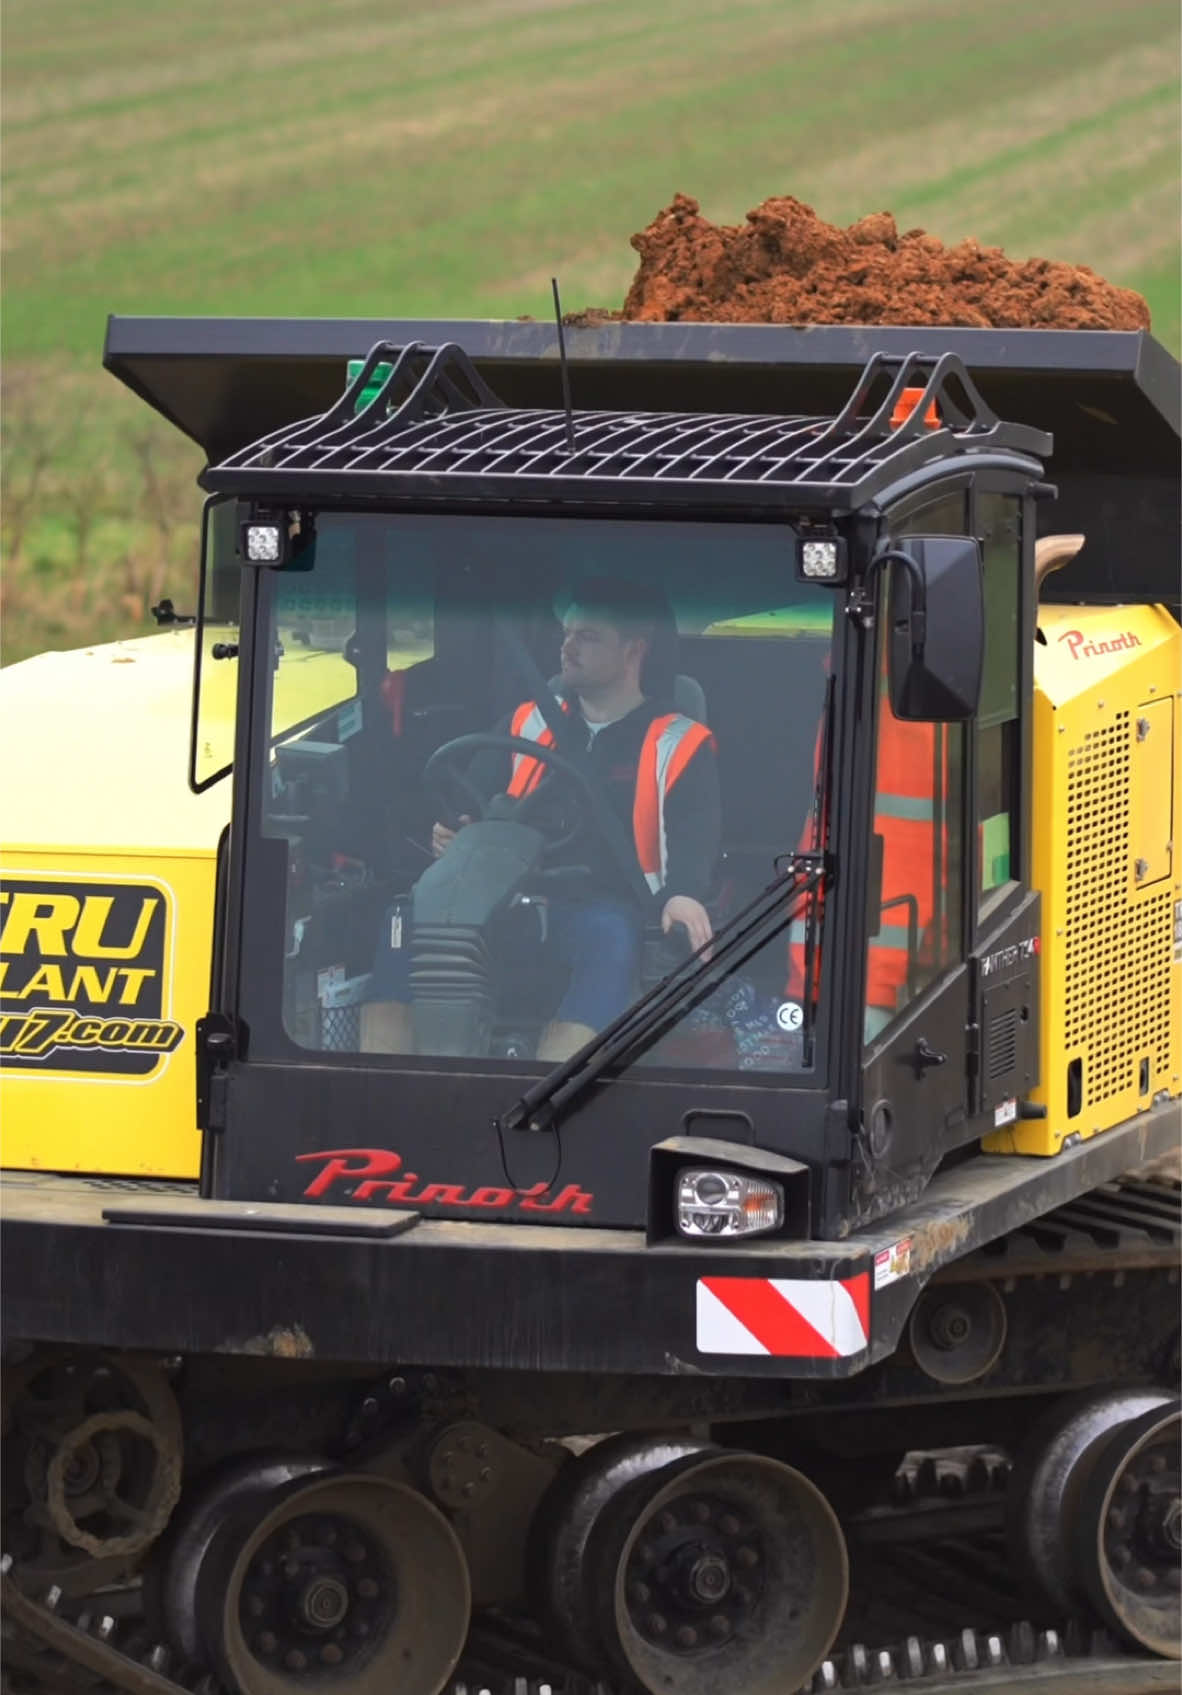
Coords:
pixel 87 1263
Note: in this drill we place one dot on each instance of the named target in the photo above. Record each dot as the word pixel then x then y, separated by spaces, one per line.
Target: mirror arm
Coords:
pixel 860 603
pixel 918 620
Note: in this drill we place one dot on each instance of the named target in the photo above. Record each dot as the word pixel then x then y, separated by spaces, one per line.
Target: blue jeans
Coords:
pixel 598 940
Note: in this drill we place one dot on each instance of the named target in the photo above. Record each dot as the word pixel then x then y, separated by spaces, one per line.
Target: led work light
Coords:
pixel 822 560
pixel 262 544
pixel 722 1203
pixel 264 534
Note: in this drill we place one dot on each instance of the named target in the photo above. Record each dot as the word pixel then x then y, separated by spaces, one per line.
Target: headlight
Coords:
pixel 721 1203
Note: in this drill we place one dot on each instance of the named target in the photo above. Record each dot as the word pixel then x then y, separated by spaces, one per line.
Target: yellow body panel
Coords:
pixel 107 891
pixel 104 976
pixel 106 910
pixel 1107 797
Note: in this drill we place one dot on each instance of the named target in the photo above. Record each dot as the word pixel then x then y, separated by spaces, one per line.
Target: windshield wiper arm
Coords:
pixel 641 1024
pixel 822 789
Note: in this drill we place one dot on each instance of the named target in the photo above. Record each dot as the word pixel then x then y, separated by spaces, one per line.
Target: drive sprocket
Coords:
pixel 92 1466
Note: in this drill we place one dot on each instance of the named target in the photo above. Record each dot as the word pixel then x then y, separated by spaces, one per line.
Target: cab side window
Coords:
pixel 998 523
pixel 915 922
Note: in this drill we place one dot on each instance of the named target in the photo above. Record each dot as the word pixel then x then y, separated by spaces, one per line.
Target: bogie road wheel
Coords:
pixel 566 1523
pixel 721 1572
pixel 1047 1484
pixel 349 1584
pixel 1129 1532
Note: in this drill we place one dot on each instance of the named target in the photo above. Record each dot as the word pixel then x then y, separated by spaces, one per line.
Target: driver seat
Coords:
pixel 534 993
pixel 689 697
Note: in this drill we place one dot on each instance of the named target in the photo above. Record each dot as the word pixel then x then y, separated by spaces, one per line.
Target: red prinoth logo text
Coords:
pixel 1080 647
pixel 368 1174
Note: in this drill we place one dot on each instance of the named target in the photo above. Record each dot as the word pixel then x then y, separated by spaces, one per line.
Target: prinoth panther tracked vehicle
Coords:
pixel 814 1322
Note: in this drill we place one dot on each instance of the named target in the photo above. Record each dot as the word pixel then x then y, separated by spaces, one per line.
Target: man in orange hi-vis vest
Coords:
pixel 655 768
pixel 904 819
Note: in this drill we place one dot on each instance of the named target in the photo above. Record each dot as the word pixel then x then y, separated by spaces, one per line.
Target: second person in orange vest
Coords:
pixel 655 768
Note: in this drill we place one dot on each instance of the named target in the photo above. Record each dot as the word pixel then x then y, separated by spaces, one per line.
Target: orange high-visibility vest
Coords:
pixel 670 742
pixel 904 817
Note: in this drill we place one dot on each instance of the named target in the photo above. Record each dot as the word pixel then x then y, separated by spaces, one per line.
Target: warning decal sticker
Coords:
pixel 892 1263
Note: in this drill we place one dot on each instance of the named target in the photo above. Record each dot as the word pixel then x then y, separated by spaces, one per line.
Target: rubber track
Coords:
pixel 47 1655
pixel 932 1583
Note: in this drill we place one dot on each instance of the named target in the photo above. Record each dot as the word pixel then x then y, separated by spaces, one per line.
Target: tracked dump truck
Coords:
pixel 808 1317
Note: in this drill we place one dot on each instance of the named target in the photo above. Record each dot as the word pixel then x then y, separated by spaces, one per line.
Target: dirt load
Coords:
pixel 785 265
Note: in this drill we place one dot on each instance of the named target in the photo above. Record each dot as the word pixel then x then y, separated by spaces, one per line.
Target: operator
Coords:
pixel 656 770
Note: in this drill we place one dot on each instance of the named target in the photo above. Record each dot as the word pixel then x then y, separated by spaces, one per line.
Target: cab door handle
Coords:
pixel 925 1057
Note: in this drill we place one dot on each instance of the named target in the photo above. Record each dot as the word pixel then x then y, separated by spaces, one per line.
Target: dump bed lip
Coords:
pixel 1127 351
pixel 203 373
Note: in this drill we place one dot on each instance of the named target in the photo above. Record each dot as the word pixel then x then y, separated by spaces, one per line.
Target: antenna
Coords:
pixel 570 417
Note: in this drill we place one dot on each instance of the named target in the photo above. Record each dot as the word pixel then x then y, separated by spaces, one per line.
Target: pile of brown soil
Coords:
pixel 787 266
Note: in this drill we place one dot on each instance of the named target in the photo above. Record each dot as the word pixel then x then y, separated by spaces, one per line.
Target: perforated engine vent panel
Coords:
pixel 1009 1035
pixel 1001 1055
pixel 1118 945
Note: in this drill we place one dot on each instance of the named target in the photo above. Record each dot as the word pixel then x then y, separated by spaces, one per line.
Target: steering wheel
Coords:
pixel 443 774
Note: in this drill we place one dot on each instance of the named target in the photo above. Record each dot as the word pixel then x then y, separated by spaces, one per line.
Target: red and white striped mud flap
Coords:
pixel 789 1317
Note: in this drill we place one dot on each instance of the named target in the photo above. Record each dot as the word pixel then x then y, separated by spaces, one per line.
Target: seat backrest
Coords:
pixel 688 696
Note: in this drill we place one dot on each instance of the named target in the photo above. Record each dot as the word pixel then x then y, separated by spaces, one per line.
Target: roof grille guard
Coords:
pixel 421 382
pixel 932 375
pixel 434 422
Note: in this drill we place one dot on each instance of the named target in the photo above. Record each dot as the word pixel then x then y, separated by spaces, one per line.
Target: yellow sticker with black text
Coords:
pixel 86 976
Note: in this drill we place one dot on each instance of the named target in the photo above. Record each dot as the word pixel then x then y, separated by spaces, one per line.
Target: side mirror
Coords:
pixel 936 606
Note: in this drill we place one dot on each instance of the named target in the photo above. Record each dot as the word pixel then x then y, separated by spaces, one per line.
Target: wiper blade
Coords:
pixel 647 1019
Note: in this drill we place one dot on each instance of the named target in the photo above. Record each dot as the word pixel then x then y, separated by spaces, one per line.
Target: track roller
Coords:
pixel 1049 1525
pixel 350 1583
pixel 1129 1532
pixel 957 1331
pixel 722 1571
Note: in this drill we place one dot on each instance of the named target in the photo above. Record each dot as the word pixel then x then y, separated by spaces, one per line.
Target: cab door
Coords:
pixel 916 1006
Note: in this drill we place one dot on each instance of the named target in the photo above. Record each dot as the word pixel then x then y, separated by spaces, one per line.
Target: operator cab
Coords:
pixel 441 838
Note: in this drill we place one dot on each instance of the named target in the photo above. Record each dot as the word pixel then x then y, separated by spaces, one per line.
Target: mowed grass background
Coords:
pixel 353 157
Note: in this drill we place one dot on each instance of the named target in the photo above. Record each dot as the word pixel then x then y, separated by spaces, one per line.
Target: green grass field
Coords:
pixel 358 158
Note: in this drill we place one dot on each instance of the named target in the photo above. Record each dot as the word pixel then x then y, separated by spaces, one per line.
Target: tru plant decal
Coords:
pixel 85 976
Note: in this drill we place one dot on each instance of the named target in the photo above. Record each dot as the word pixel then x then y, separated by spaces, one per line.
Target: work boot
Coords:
pixel 561 1039
pixel 386 1028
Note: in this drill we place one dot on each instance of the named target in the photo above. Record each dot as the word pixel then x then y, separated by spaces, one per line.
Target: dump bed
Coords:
pixel 1110 398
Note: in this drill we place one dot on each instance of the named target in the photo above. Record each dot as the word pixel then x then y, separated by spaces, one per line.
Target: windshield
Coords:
pixel 520 768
